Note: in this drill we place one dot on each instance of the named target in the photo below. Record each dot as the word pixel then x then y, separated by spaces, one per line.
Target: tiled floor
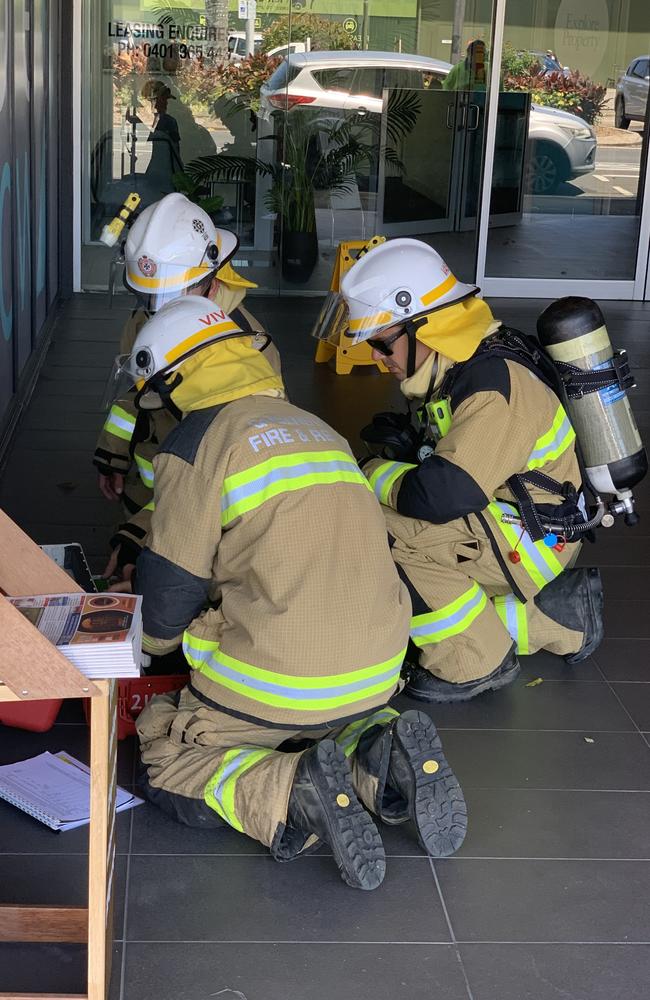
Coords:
pixel 547 899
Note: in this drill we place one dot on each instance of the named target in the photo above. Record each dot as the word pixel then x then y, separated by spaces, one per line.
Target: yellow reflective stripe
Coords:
pixel 440 290
pixel 369 321
pixel 247 491
pixel 169 281
pixel 238 479
pixel 208 333
pixel 120 423
pixel 452 619
pixel 301 694
pixel 554 442
pixel 348 738
pixel 539 561
pixel 384 477
pixel 145 469
pixel 219 793
pixel 513 616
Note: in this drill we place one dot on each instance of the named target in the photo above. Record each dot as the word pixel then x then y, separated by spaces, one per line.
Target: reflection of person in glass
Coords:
pixel 164 136
pixel 98 622
pixel 471 72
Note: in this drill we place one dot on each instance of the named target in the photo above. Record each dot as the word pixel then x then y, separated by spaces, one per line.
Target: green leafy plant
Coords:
pixel 314 151
pixel 194 190
pixel 515 63
pixel 572 92
pixel 324 34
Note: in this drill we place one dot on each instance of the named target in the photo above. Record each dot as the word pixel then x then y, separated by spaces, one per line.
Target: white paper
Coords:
pixel 55 788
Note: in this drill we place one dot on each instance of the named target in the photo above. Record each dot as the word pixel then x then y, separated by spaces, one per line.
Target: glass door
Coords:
pixel 579 228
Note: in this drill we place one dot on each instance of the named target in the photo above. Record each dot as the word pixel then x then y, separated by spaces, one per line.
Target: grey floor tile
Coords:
pixel 501 759
pixel 36 968
pixel 568 706
pixel 292 972
pixel 526 823
pixel 557 972
pixel 56 880
pixel 21 834
pixel 626 582
pixel 627 619
pixel 631 549
pixel 257 899
pixel 636 698
pixel 560 901
pixel 550 667
pixel 624 659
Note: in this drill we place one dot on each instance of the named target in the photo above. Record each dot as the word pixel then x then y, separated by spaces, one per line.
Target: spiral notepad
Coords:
pixel 54 789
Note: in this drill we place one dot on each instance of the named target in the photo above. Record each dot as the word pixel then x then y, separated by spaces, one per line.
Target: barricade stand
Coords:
pixel 347 357
pixel 32 668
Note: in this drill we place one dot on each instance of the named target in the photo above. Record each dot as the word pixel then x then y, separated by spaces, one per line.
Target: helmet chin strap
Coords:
pixel 411 328
pixel 164 389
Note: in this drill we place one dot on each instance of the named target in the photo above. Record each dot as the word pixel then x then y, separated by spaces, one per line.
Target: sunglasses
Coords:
pixel 384 346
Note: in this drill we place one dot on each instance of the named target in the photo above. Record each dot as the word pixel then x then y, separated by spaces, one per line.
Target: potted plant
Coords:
pixel 314 151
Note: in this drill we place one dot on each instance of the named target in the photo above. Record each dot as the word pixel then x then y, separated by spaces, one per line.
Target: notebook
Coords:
pixel 54 789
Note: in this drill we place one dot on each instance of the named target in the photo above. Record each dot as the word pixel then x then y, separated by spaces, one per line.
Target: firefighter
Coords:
pixel 172 249
pixel 467 493
pixel 267 559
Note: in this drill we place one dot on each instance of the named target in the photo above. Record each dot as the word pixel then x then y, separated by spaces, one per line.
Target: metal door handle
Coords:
pixel 473 121
pixel 450 116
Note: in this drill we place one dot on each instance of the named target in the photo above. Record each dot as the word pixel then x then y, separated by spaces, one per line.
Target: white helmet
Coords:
pixel 181 328
pixel 172 248
pixel 395 282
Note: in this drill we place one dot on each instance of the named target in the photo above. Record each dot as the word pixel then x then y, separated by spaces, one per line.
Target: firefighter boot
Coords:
pixel 323 802
pixel 420 773
pixel 575 599
pixel 424 686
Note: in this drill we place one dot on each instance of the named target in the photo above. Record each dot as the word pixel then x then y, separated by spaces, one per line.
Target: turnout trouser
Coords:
pixel 465 614
pixel 205 767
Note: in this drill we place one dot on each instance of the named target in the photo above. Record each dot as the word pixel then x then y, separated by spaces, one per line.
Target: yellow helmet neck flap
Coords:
pixel 457 330
pixel 224 371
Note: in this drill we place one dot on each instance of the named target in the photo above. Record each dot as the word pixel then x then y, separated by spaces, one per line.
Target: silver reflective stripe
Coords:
pixel 528 545
pixel 284 472
pixel 210 658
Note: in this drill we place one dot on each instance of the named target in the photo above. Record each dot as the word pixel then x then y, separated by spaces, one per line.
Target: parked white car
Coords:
pixel 631 102
pixel 237 45
pixel 561 145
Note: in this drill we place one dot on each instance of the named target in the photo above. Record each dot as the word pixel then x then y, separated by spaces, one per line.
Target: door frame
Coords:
pixel 637 287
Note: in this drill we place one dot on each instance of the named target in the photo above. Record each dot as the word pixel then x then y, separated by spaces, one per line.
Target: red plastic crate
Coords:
pixel 37 716
pixel 134 694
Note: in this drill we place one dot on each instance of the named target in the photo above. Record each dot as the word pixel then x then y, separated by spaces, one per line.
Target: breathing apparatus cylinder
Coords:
pixel 595 379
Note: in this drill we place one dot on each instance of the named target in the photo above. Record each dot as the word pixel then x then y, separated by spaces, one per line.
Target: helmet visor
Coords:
pixel 156 284
pixel 332 323
pixel 367 318
pixel 120 382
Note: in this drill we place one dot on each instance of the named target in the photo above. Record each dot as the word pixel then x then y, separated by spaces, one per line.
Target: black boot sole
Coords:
pixel 355 841
pixel 463 692
pixel 436 801
pixel 594 626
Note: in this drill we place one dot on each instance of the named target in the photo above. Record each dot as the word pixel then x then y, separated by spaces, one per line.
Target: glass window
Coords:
pixel 367 82
pixel 338 78
pixel 573 211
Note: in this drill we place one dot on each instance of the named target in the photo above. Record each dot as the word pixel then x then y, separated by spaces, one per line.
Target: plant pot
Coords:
pixel 299 255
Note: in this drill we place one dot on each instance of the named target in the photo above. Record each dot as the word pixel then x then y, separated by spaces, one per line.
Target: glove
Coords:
pixel 391 436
